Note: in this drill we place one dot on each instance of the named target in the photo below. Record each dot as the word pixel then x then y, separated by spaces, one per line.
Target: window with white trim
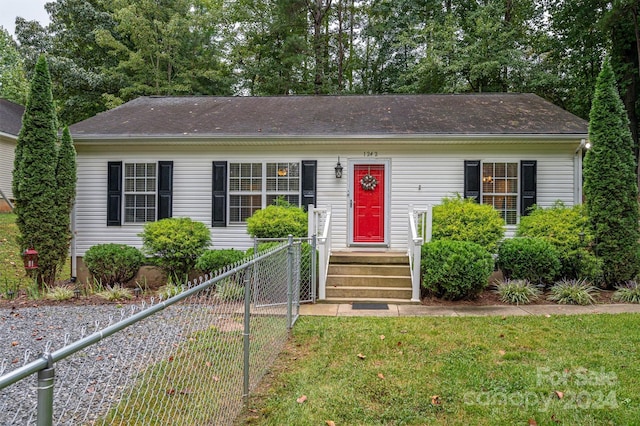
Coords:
pixel 253 186
pixel 500 189
pixel 140 192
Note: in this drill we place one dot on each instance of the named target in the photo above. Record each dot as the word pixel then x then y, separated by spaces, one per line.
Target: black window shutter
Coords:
pixel 472 179
pixel 165 189
pixel 309 180
pixel 219 194
pixel 114 193
pixel 528 170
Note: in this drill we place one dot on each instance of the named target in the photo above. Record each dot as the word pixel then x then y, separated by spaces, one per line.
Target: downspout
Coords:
pixel 74 259
pixel 577 167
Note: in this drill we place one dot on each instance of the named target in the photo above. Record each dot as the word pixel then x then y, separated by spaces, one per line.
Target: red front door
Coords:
pixel 368 203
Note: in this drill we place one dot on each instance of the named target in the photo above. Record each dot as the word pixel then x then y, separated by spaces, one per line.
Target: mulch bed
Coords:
pixel 490 297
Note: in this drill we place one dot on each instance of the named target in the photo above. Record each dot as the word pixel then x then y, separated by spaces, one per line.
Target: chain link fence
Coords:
pixel 191 359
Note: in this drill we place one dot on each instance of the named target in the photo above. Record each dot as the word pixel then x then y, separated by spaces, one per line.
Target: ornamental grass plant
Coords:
pixel 517 292
pixel 628 292
pixel 573 292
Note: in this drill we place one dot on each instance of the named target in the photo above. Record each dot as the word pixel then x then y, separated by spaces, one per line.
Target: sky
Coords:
pixel 28 9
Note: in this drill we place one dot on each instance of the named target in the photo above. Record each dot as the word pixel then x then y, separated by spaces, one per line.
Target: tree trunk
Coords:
pixel 318 9
pixel 340 77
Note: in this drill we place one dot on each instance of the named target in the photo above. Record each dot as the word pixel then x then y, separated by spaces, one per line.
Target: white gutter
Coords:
pixel 325 139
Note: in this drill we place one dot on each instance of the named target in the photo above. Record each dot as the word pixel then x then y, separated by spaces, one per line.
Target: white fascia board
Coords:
pixel 325 139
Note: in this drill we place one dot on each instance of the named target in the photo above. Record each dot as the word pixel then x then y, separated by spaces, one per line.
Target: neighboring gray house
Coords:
pixel 218 159
pixel 10 125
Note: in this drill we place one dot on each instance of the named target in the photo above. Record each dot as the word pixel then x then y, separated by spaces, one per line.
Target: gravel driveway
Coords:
pixel 87 382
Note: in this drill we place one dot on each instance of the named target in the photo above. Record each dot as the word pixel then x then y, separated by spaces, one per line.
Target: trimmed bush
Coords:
pixel 176 243
pixel 278 221
pixel 533 259
pixel 463 219
pixel 568 230
pixel 455 270
pixel 262 247
pixel 113 263
pixel 214 260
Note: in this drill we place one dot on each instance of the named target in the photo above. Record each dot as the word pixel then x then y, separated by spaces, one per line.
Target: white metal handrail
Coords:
pixel 320 225
pixel 417 237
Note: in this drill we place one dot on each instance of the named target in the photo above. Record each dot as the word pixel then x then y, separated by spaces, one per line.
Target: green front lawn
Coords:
pixel 455 371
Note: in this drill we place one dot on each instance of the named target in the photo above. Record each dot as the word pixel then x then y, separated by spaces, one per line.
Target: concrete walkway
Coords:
pixel 345 310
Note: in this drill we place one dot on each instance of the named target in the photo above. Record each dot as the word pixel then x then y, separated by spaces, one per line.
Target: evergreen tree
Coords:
pixel 35 174
pixel 610 184
pixel 66 193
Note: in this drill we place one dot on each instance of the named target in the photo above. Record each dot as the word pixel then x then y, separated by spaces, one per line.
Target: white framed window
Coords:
pixel 500 189
pixel 140 192
pixel 253 186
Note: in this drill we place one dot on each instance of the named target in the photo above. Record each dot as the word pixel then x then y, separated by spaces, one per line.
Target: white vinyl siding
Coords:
pixel 421 174
pixel 7 149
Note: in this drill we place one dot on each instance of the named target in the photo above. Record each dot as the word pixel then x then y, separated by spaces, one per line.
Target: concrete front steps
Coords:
pixel 358 276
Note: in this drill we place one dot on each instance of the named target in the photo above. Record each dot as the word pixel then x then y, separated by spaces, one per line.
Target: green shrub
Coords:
pixel 573 292
pixel 567 229
pixel 262 247
pixel 111 264
pixel 278 221
pixel 465 220
pixel 455 270
pixel 214 260
pixel 518 292
pixel 629 292
pixel 176 243
pixel 533 259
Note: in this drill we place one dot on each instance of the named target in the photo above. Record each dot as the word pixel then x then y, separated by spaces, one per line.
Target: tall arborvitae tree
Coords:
pixel 610 184
pixel 66 193
pixel 35 175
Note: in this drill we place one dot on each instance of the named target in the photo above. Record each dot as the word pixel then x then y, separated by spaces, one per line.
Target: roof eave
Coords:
pixel 8 135
pixel 302 139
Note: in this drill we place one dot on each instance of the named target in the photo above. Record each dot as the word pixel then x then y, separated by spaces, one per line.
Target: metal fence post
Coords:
pixel 246 335
pixel 45 393
pixel 290 283
pixel 314 266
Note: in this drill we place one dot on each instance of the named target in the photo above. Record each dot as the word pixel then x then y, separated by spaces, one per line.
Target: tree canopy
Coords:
pixel 105 52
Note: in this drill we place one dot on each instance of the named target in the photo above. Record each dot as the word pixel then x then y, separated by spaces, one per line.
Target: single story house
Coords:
pixel 10 125
pixel 219 159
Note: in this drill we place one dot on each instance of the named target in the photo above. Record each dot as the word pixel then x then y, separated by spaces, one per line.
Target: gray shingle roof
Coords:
pixel 10 117
pixel 334 116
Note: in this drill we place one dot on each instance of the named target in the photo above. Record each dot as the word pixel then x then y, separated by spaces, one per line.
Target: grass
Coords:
pixel 455 371
pixel 12 273
pixel 201 382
